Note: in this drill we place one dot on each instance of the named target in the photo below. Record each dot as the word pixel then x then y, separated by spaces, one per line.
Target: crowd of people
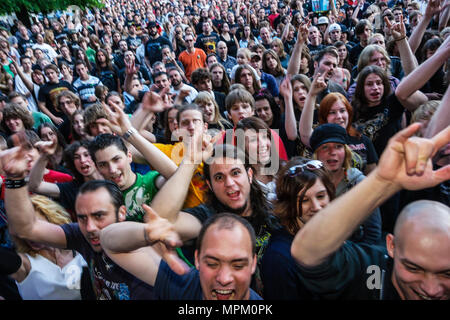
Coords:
pixel 227 149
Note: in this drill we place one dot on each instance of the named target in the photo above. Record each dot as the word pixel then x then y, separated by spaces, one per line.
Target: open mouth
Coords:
pixel 233 195
pixel 116 178
pixel 85 168
pixel 94 241
pixel 332 163
pixel 223 294
pixel 375 96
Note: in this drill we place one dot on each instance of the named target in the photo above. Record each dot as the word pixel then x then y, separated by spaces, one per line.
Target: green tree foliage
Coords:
pixel 44 6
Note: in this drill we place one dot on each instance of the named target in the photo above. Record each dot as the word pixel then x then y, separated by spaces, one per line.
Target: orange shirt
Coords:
pixel 192 61
pixel 198 186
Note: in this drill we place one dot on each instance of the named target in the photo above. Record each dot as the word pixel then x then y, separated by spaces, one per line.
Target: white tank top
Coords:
pixel 47 281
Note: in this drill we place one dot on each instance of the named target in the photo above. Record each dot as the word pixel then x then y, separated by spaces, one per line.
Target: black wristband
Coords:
pixel 15 184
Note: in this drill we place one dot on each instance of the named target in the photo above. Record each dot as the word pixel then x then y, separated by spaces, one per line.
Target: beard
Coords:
pixel 175 83
pixel 220 207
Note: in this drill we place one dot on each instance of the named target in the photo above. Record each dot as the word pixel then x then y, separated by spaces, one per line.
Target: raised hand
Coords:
pixel 286 88
pixel 47 148
pixel 302 34
pixel 130 67
pixel 406 161
pixel 199 147
pixel 15 161
pixel 161 232
pixel 318 84
pixel 433 7
pixel 398 29
pixel 119 121
pixel 154 102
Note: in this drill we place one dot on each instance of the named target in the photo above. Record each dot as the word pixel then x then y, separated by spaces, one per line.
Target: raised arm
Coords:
pixel 130 70
pixel 286 29
pixel 410 84
pixel 36 183
pixel 433 7
pixel 169 200
pixel 155 157
pixel 22 220
pixel 398 31
pixel 444 16
pixel 305 125
pixel 129 245
pixel 405 163
pixel 151 102
pixel 296 57
pixel 29 84
pixel 356 11
pixel 440 119
pixel 333 8
pixel 290 123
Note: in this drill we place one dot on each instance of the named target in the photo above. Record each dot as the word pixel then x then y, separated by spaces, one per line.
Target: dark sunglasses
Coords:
pixel 310 165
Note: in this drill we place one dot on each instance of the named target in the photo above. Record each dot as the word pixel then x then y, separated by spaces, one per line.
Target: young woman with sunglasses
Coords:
pixel 303 188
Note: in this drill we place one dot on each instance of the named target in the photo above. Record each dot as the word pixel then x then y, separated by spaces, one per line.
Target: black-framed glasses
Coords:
pixel 310 165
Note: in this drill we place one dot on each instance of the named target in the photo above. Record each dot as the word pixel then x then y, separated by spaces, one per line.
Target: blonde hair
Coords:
pixel 348 157
pixel 246 52
pixel 52 211
pixel 205 97
pixel 425 112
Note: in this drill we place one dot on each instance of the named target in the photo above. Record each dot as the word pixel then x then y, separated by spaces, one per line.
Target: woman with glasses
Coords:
pixel 303 188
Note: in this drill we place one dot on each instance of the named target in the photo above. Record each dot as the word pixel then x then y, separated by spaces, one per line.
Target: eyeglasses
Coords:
pixel 310 165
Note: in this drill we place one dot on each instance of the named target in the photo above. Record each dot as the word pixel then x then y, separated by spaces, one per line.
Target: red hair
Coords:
pixel 325 107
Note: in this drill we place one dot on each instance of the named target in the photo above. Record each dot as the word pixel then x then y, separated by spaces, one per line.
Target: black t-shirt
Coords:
pixel 207 43
pixel 24 44
pixel 380 123
pixel 71 63
pixel 68 193
pixel 279 271
pixel 315 49
pixel 50 91
pixel 153 49
pixel 231 45
pixel 363 146
pixel 110 282
pixel 354 54
pixel 354 272
pixel 108 77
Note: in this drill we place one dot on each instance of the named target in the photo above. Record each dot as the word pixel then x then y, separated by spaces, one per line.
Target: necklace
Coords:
pixel 108 265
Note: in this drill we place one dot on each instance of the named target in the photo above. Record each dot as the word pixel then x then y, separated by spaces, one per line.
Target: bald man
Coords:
pixel 420 248
pixel 416 261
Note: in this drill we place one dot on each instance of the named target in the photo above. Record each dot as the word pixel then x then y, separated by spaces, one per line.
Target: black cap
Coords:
pixel 152 24
pixel 328 132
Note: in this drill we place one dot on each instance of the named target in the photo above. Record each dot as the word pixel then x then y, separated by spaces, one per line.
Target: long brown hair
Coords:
pixel 291 190
pixel 279 71
pixel 359 101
